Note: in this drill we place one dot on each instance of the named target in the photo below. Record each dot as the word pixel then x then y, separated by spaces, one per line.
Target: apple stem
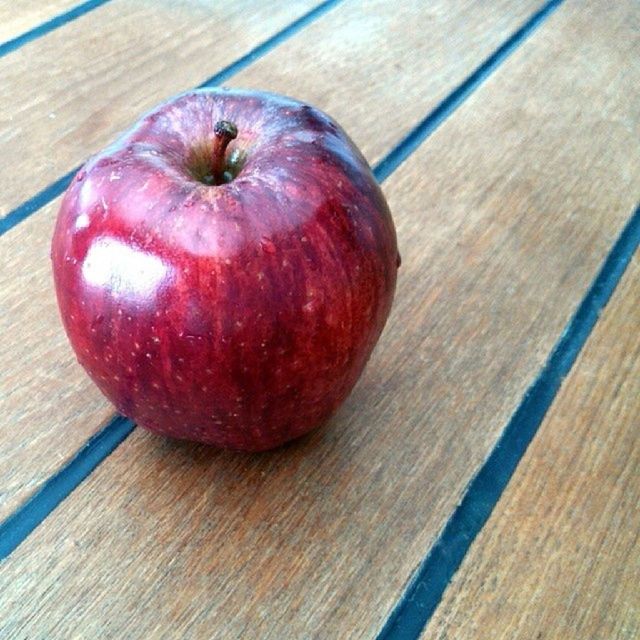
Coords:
pixel 225 132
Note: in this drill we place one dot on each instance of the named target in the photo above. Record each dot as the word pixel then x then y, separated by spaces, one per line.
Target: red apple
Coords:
pixel 225 269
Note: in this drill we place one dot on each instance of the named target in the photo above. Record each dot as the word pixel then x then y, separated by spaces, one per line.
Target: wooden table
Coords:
pixel 482 481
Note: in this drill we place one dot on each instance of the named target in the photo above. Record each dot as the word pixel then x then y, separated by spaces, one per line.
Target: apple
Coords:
pixel 224 269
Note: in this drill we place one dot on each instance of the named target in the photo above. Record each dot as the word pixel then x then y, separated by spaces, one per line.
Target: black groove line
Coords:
pixel 52 191
pixel 57 487
pixel 416 606
pixel 452 101
pixel 50 25
pixel 42 198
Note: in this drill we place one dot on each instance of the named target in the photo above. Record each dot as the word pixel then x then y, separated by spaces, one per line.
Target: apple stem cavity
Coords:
pixel 209 162
pixel 225 132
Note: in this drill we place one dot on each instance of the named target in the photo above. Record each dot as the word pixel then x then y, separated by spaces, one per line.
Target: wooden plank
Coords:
pixel 503 216
pixel 559 557
pixel 47 395
pixel 14 21
pixel 96 73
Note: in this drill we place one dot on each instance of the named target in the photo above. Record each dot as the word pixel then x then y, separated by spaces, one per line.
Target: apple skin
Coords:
pixel 237 314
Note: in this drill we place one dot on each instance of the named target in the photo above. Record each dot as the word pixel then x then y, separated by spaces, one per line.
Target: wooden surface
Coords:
pixel 30 13
pixel 504 215
pixel 56 403
pixel 559 557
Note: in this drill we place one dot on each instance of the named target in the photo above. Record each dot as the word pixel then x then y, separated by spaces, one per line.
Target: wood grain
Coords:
pixel 45 393
pixel 503 216
pixel 97 74
pixel 559 557
pixel 14 21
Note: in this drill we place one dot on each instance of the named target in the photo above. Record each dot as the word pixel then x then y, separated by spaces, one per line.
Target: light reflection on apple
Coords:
pixel 128 272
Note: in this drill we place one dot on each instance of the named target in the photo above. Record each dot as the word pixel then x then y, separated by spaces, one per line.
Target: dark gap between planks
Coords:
pixel 49 25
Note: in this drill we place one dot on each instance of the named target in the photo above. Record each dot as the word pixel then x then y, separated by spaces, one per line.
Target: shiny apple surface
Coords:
pixel 237 310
